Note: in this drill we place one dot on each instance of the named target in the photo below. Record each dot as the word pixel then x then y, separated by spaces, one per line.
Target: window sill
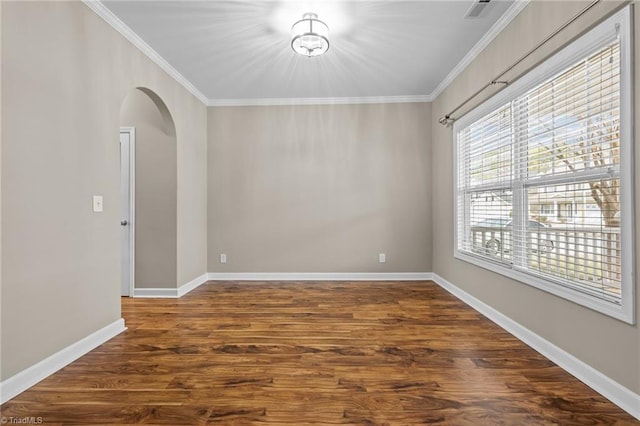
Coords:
pixel 619 312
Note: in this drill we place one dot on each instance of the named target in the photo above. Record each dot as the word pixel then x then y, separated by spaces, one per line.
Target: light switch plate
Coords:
pixel 98 206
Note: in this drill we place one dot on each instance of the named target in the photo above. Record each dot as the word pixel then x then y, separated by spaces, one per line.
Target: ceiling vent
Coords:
pixel 476 9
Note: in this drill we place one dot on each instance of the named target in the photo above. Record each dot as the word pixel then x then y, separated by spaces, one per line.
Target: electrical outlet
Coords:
pixel 382 258
pixel 223 258
pixel 98 205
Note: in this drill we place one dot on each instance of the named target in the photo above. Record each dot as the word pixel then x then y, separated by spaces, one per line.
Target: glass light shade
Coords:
pixel 310 36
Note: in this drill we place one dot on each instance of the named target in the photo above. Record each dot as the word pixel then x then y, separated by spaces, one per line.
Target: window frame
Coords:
pixel 616 26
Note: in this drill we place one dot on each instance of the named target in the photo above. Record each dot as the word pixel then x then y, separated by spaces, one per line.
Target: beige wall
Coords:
pixel 191 126
pixel 289 189
pixel 155 189
pixel 320 188
pixel 606 344
pixel 0 190
pixel 65 74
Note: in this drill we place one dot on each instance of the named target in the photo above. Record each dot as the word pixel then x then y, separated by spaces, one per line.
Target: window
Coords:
pixel 543 175
pixel 547 209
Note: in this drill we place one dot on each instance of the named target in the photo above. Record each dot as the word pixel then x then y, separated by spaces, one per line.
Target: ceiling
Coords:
pixel 238 52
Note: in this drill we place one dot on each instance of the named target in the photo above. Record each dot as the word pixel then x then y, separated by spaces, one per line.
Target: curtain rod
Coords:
pixel 448 120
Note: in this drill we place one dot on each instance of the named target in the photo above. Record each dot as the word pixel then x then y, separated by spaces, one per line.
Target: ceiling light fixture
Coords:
pixel 309 36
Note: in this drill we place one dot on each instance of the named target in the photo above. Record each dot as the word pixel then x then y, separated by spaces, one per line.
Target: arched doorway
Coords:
pixel 148 193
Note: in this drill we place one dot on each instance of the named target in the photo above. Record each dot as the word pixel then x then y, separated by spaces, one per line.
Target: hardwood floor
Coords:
pixel 366 353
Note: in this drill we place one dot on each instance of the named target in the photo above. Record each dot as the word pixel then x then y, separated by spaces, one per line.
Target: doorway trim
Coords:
pixel 132 205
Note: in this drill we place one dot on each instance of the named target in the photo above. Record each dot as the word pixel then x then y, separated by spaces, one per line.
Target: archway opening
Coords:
pixel 148 194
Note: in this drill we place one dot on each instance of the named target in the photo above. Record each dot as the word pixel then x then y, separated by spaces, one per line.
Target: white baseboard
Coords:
pixel 624 398
pixel 26 378
pixel 610 389
pixel 319 276
pixel 192 285
pixel 161 293
pixel 171 293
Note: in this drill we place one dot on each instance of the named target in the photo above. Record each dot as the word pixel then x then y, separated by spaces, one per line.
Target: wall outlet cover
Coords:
pixel 98 205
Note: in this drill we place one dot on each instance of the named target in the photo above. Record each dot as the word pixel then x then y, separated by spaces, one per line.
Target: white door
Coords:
pixel 126 209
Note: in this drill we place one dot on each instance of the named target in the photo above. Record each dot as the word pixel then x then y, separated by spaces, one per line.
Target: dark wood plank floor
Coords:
pixel 313 353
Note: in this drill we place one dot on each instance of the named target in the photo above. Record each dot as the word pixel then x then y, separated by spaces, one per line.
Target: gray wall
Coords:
pixel 155 189
pixel 320 188
pixel 65 74
pixel 606 344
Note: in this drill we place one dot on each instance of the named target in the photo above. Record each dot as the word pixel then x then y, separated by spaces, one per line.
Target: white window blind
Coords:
pixel 540 178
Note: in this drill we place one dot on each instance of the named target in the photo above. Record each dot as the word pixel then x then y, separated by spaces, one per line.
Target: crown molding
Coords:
pixel 115 22
pixel 110 18
pixel 319 101
pixel 496 29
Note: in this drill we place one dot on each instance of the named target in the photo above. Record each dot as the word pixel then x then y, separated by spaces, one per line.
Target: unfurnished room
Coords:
pixel 319 212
